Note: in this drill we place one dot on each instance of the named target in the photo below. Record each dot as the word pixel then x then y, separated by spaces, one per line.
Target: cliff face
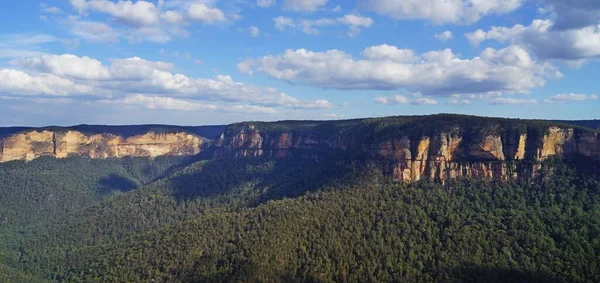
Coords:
pixel 60 144
pixel 438 157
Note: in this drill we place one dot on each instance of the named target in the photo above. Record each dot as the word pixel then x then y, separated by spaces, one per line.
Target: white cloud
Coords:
pixel 52 10
pixel 336 9
pixel 172 104
pixel 254 31
pixel 396 99
pixel 513 101
pixel 141 20
pixel 455 99
pixel 94 31
pixel 65 75
pixel 562 98
pixel 319 104
pixel 545 42
pixel 282 22
pixel 139 13
pixel 334 116
pixel 391 53
pixel 67 65
pixel 24 45
pixel 173 17
pixel 303 5
pixel 435 73
pixel 402 99
pixel 151 34
pixel 425 101
pixel 443 11
pixel 574 14
pixel 163 103
pixel 265 3
pixel 14 82
pixel 444 36
pixel 354 23
pixel 203 13
pixel 249 109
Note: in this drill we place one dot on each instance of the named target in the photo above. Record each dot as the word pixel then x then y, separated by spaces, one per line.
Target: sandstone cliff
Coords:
pixel 33 144
pixel 420 149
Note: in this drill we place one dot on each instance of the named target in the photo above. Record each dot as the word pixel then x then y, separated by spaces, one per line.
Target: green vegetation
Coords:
pixel 298 220
pixel 320 216
pixel 43 189
pixel 383 129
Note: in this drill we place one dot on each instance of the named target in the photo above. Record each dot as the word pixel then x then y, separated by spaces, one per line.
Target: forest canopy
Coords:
pixel 290 220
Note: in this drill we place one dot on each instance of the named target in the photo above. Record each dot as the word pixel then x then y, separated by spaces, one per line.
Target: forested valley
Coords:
pixel 290 220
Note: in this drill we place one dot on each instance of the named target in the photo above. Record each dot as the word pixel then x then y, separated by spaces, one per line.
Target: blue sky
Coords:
pixel 198 62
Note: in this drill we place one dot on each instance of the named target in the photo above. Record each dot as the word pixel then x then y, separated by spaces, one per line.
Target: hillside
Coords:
pixel 314 201
pixel 411 148
pixel 258 220
pixel 592 124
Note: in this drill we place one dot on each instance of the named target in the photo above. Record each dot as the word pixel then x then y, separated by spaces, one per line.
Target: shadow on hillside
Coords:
pixel 187 161
pixel 247 272
pixel 499 275
pixel 270 179
pixel 114 182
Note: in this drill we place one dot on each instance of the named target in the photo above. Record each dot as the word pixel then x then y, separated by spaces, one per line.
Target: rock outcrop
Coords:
pixel 504 155
pixel 436 148
pixel 33 144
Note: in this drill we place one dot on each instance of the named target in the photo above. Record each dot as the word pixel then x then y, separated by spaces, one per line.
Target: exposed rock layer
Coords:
pixel 438 157
pixel 60 144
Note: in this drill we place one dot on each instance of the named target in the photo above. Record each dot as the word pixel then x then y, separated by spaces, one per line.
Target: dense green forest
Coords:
pixel 291 220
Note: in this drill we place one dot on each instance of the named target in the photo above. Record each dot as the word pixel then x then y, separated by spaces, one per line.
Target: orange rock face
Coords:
pixel 34 144
pixel 438 157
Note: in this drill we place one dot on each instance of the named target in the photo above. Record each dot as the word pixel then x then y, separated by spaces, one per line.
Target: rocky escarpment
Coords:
pixel 420 149
pixel 33 144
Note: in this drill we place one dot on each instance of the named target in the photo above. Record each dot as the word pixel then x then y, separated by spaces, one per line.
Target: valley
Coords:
pixel 305 201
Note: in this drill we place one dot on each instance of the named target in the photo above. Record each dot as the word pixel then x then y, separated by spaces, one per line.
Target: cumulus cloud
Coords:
pixel 282 22
pixel 254 31
pixel 141 20
pixel 163 103
pixel 67 65
pixel 140 82
pixel 444 36
pixel 354 23
pixel 21 83
pixel 402 99
pixel 396 99
pixel 574 14
pixel 173 17
pixel 545 42
pixel 172 104
pixel 203 13
pixel 303 5
pixel 563 98
pixel 139 13
pixel 94 31
pixel 512 101
pixel 391 53
pixel 384 67
pixel 443 11
pixel 455 99
pixel 265 3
